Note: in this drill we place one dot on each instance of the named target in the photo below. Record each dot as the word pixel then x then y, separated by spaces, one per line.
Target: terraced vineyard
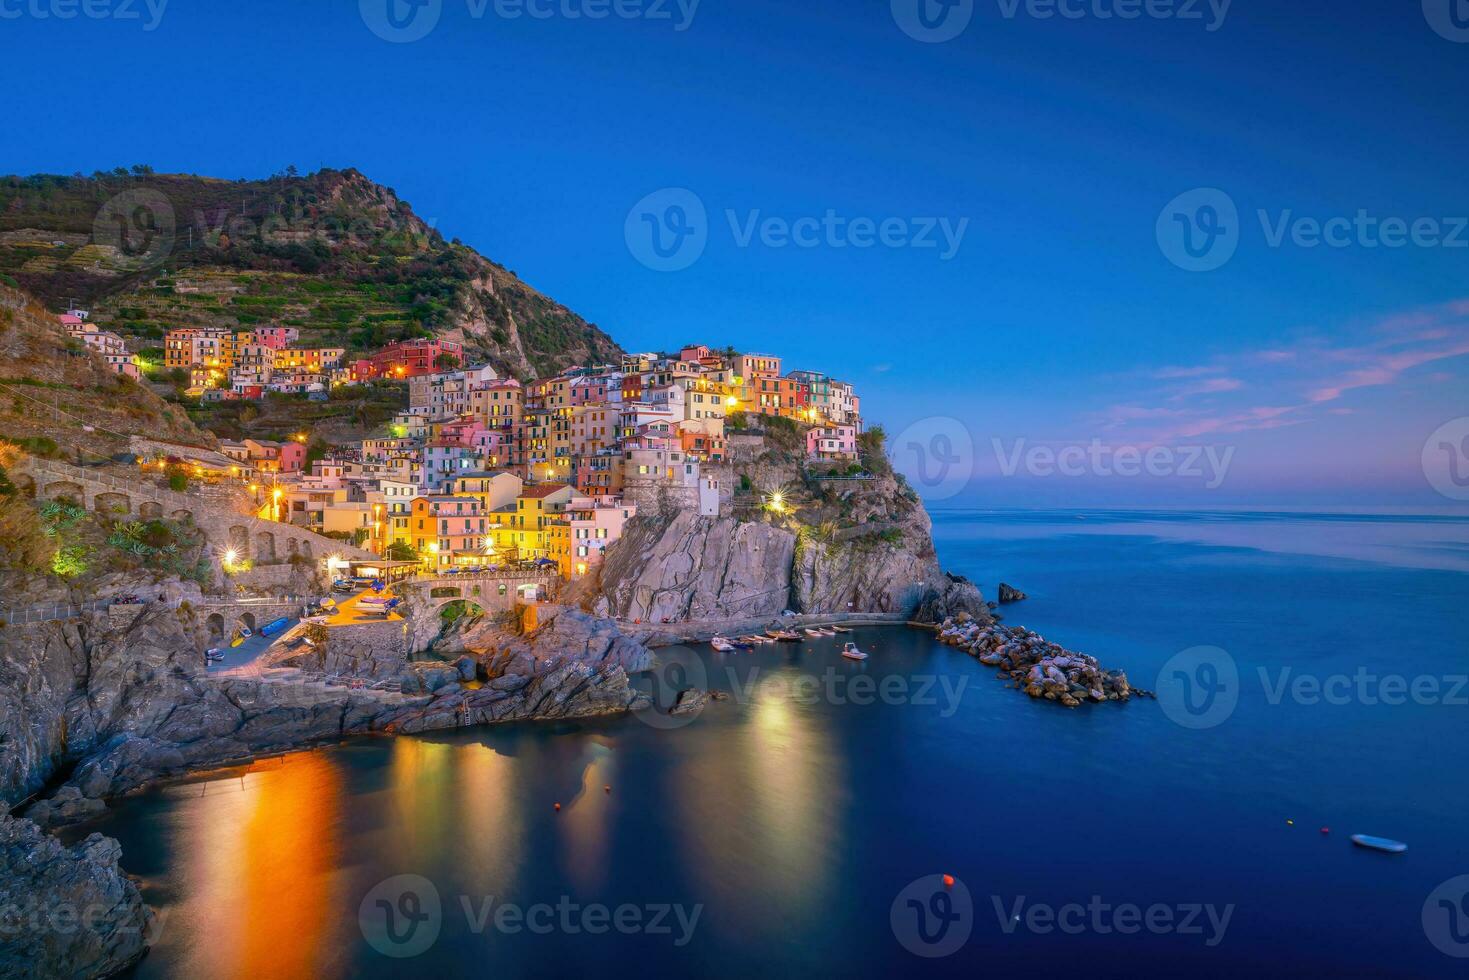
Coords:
pixel 333 254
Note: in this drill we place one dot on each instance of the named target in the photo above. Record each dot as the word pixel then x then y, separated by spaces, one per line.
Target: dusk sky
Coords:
pixel 1053 151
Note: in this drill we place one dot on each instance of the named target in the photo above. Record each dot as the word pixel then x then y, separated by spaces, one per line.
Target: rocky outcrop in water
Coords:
pixel 65 911
pixel 1008 594
pixel 1040 668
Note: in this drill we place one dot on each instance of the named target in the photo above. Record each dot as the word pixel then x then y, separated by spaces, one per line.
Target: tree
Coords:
pixel 446 362
pixel 401 551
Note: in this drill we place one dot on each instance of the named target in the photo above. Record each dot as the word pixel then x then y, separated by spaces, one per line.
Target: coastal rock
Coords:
pixel 689 702
pixel 80 916
pixel 1041 668
pixel 687 568
pixel 1008 594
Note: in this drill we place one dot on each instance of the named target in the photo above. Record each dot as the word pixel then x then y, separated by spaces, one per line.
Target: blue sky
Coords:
pixel 1055 143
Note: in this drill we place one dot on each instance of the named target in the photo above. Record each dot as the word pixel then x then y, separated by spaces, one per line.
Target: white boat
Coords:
pixel 722 645
pixel 851 652
pixel 814 631
pixel 1379 843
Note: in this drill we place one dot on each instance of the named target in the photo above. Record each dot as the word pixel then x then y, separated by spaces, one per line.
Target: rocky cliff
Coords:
pixel 862 546
pixel 110 708
pixel 65 911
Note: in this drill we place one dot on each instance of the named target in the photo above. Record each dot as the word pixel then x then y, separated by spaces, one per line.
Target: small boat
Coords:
pixel 817 631
pixel 851 652
pixel 839 629
pixel 1379 844
pixel 784 636
pixel 721 644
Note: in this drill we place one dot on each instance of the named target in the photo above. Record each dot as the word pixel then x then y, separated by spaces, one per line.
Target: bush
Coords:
pixel 178 482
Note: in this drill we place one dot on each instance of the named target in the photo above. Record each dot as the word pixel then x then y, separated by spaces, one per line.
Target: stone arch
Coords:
pixel 306 548
pixel 293 548
pixel 247 620
pixel 149 510
pixel 457 609
pixel 215 627
pixel 446 592
pixel 264 547
pixel 112 503
pixel 186 516
pixel 66 489
pixel 239 540
pixel 24 483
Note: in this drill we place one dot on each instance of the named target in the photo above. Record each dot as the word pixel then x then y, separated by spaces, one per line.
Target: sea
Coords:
pixel 913 814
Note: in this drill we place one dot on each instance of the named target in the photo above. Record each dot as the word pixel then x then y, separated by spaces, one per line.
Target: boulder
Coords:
pixel 1009 594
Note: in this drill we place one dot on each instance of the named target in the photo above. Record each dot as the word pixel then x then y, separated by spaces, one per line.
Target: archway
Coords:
pixel 63 489
pixel 293 548
pixel 150 511
pixel 186 516
pixel 265 547
pixel 239 540
pixel 458 609
pixel 117 504
pixel 215 626
pixel 306 549
pixel 246 620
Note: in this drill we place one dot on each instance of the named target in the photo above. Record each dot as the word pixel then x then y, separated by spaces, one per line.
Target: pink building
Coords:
pixel 276 338
pixel 595 522
pixel 834 442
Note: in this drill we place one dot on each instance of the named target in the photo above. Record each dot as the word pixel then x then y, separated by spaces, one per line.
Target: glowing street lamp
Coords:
pixel 776 502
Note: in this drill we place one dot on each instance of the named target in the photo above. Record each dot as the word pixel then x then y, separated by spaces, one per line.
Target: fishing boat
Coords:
pixel 722 645
pixel 1379 844
pixel 818 631
pixel 839 629
pixel 755 638
pixel 784 636
pixel 851 652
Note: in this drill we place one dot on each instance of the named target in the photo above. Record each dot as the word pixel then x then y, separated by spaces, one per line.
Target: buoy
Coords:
pixel 948 881
pixel 607 788
pixel 558 807
pixel 1326 830
pixel 1290 823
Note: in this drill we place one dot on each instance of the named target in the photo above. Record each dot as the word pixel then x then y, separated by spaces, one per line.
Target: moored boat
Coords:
pixel 851 652
pixel 721 644
pixel 1379 844
pixel 784 636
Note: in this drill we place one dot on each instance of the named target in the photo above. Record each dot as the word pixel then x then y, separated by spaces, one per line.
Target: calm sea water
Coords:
pixel 793 815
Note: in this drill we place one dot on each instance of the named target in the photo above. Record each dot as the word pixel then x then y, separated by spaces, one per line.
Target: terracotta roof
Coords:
pixel 544 490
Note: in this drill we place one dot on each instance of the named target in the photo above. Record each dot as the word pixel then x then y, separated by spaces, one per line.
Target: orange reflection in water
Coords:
pixel 265 862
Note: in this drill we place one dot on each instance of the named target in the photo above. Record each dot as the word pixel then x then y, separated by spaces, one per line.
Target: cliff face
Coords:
pixel 686 567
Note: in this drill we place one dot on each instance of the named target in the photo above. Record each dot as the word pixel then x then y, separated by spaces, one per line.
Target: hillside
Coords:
pixel 53 391
pixel 333 254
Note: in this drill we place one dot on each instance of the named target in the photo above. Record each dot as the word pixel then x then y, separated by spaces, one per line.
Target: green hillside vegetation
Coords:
pixel 53 391
pixel 332 254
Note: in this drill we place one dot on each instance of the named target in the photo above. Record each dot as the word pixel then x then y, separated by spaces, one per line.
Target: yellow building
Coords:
pixel 525 531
